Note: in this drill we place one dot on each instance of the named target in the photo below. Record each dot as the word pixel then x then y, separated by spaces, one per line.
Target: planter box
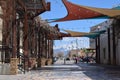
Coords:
pixel 43 61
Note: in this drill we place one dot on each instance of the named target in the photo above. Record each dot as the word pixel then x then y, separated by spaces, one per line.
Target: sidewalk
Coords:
pixel 108 72
pixel 81 71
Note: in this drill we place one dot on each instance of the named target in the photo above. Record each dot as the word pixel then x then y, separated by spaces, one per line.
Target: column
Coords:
pixel 109 46
pixel 114 46
pixel 14 60
pixel 25 41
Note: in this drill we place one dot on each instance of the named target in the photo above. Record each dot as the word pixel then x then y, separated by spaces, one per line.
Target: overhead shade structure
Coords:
pixel 85 34
pixel 107 12
pixel 76 12
pixel 76 34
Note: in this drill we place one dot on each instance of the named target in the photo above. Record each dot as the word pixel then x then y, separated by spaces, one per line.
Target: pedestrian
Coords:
pixel 64 60
pixel 76 60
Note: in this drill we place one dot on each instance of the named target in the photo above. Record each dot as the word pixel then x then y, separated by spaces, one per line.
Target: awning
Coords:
pixel 85 34
pixel 76 12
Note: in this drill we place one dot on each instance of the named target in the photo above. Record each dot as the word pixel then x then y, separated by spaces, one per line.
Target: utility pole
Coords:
pixel 76 51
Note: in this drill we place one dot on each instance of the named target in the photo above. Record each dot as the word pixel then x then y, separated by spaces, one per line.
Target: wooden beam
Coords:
pixel 44 4
pixel 25 43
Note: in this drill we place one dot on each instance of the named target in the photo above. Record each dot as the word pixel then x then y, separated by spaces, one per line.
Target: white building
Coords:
pixel 109 46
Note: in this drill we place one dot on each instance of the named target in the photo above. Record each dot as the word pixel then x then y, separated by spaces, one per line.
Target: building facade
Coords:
pixel 107 45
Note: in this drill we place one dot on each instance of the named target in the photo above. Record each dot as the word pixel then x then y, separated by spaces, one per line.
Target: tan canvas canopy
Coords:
pixel 85 34
pixel 108 12
pixel 75 34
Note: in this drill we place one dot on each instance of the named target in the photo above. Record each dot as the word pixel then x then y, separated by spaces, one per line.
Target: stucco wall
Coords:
pixel 104 42
pixel 118 52
pixel 104 48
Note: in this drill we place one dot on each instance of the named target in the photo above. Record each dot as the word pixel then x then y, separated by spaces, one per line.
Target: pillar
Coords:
pixel 99 49
pixel 14 60
pixel 25 42
pixel 114 46
pixel 109 47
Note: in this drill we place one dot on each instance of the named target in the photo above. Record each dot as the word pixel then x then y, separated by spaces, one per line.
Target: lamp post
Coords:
pixel 76 50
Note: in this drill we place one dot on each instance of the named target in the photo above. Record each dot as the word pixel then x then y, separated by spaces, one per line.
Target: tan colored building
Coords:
pixel 81 53
pixel 74 53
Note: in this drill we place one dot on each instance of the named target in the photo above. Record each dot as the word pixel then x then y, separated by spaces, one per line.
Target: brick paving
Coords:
pixel 81 71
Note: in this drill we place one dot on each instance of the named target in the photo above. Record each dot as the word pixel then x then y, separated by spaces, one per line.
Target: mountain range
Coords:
pixel 56 51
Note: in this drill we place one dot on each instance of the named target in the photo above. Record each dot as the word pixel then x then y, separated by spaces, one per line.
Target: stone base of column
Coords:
pixel 49 62
pixel 39 62
pixel 32 63
pixel 43 61
pixel 13 66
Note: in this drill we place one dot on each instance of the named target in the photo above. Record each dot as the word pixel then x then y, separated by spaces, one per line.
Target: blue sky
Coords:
pixel 58 11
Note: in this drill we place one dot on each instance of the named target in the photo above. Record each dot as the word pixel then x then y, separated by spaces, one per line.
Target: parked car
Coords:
pixel 67 58
pixel 88 59
pixel 55 59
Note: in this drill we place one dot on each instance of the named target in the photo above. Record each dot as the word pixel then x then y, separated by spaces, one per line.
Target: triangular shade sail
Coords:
pixel 75 34
pixel 84 34
pixel 107 12
pixel 76 12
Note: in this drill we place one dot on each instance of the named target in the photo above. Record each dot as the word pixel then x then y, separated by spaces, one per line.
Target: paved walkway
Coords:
pixel 81 71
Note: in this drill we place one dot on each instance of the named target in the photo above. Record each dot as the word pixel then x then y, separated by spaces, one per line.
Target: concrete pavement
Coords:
pixel 70 71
